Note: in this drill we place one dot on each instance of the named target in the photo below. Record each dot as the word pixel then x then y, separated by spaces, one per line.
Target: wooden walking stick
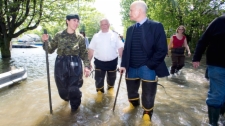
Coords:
pixel 117 91
pixel 47 65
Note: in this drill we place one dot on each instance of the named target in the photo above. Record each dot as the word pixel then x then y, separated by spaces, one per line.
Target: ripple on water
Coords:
pixel 182 102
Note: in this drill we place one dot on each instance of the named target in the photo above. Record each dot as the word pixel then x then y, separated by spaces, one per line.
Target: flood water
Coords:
pixel 180 103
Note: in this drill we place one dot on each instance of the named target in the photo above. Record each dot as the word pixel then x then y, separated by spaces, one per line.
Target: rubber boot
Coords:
pixel 147 116
pixel 132 105
pixel 111 77
pixel 133 95
pixel 111 92
pixel 213 114
pixel 99 97
pixel 148 98
pixel 148 94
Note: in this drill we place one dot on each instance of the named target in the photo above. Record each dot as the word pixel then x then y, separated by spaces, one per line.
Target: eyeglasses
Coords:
pixel 180 29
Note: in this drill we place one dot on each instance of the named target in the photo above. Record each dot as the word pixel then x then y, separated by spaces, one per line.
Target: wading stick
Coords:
pixel 117 91
pixel 47 65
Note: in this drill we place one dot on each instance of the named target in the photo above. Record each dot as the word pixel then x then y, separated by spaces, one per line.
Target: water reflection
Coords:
pixel 180 103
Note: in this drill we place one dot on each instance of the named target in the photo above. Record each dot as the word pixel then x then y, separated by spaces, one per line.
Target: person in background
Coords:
pixel 178 43
pixel 213 41
pixel 105 47
pixel 86 39
pixel 121 37
pixel 143 59
pixel 68 71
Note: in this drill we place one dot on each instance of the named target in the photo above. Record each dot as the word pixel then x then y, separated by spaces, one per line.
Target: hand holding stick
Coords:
pixel 47 64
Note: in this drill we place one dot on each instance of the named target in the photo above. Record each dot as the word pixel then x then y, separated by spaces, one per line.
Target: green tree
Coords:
pixel 90 18
pixel 125 8
pixel 195 15
pixel 20 16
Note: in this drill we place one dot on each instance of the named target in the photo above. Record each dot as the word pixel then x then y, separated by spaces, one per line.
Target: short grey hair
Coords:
pixel 104 19
pixel 141 4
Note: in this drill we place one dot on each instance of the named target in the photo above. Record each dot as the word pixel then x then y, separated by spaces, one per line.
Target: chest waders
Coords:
pixel 68 77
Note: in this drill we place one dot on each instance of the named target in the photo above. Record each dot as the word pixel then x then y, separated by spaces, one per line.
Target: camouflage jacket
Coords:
pixel 69 44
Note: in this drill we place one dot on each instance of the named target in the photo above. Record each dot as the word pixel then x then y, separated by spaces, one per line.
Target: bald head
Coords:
pixel 138 11
pixel 141 5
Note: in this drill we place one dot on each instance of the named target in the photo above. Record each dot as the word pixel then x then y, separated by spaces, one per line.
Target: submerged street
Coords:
pixel 180 103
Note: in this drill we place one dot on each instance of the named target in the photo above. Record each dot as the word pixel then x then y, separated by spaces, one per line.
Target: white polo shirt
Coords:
pixel 106 45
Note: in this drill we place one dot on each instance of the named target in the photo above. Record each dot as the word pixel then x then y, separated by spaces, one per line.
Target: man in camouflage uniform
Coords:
pixel 68 66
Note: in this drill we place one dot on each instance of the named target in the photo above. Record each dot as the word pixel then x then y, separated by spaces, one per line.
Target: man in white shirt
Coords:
pixel 105 47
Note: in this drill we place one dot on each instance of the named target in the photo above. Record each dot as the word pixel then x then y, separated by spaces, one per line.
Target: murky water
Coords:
pixel 180 103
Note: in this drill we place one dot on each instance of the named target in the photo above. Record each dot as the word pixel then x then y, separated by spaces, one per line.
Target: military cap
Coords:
pixel 72 16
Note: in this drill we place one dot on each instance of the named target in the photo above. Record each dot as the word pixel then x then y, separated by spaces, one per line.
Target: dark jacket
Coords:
pixel 214 40
pixel 154 44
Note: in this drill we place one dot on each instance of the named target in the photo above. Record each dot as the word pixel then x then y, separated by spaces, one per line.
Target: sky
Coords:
pixel 111 10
